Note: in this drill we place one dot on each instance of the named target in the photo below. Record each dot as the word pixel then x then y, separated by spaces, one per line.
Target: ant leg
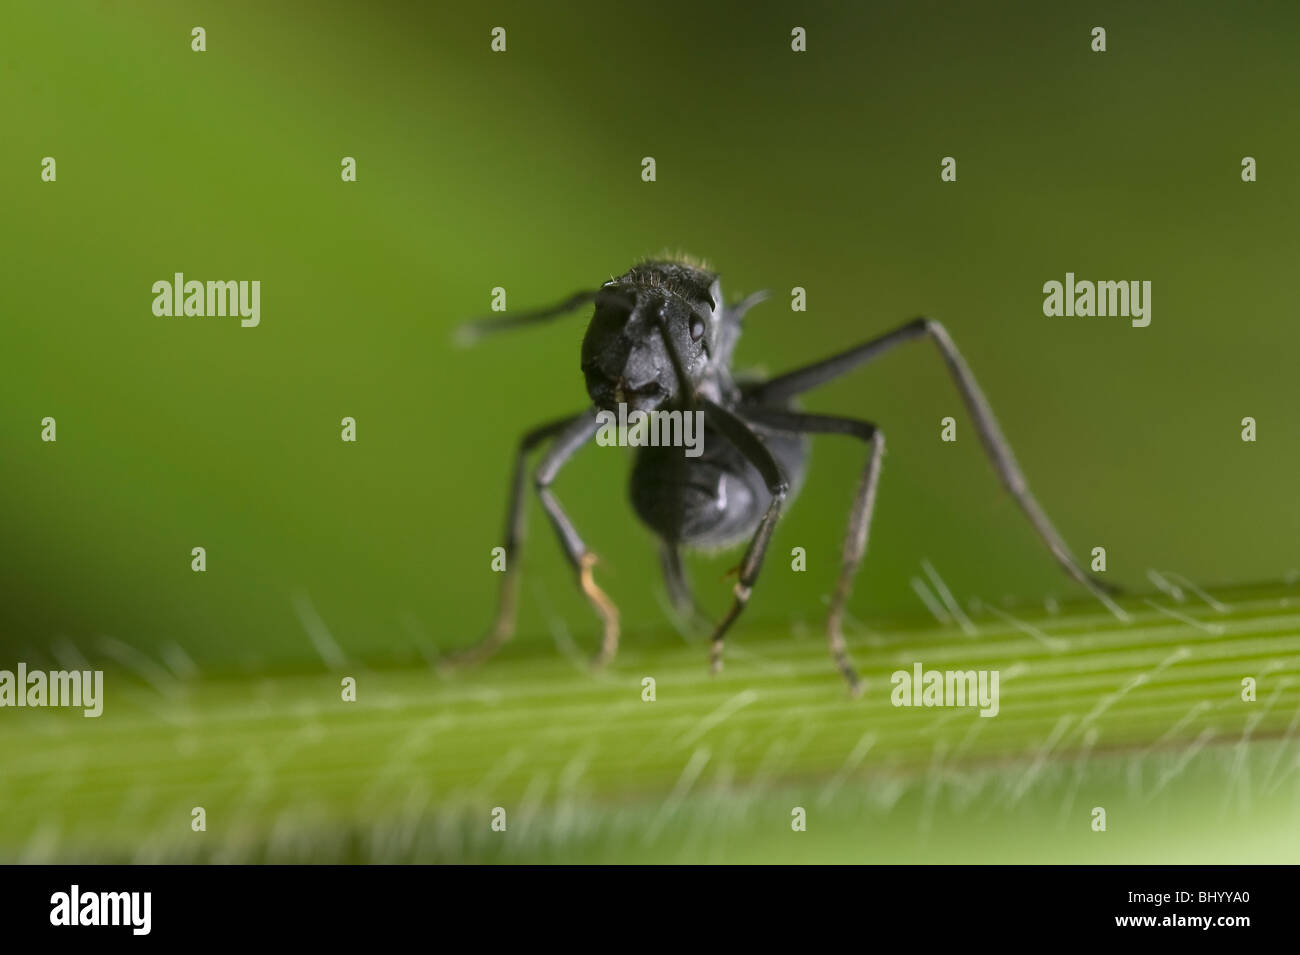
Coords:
pixel 679 588
pixel 470 332
pixel 582 430
pixel 503 627
pixel 864 503
pixel 783 387
pixel 742 436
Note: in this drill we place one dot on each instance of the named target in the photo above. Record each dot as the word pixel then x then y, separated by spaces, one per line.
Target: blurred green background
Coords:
pixel 522 170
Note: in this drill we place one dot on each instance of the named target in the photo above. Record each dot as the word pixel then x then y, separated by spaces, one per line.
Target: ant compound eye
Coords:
pixel 697 328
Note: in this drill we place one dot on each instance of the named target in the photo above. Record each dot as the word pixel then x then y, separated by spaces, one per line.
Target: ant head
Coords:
pixel 650 339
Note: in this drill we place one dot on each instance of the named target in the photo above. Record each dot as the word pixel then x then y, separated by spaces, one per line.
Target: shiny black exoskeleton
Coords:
pixel 661 339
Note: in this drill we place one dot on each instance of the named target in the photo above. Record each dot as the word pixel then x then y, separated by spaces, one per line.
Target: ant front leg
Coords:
pixel 582 431
pixel 571 434
pixel 742 436
pixel 864 505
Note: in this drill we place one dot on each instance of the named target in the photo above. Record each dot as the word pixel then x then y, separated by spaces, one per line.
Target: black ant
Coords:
pixel 661 338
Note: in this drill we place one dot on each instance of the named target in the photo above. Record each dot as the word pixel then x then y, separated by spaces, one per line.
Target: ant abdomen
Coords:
pixel 714 500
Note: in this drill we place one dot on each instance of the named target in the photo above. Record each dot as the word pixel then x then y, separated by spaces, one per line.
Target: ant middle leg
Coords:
pixel 996 447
